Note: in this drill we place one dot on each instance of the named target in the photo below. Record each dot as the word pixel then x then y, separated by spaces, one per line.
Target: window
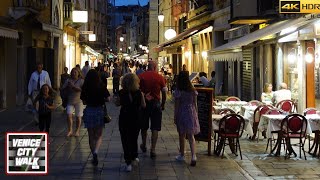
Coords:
pixel 191 5
pixel 56 17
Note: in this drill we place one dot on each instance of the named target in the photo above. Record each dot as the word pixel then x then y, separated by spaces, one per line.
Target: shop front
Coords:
pixel 285 51
pixel 299 67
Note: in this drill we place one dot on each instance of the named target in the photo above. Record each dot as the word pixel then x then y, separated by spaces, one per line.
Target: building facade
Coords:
pixel 31 32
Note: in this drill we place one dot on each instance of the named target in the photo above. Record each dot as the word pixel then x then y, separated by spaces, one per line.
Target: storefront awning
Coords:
pixel 261 33
pixel 9 33
pixel 232 50
pixel 187 33
pixel 227 55
pixel 90 50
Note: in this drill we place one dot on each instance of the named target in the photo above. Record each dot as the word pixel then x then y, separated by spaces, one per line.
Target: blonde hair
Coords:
pixel 265 88
pixel 130 82
pixel 79 72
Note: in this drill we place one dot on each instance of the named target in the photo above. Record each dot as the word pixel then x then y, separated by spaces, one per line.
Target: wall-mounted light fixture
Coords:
pixel 121 39
pixel 204 54
pixel 187 54
pixel 309 55
pixel 92 37
pixel 292 56
pixel 160 17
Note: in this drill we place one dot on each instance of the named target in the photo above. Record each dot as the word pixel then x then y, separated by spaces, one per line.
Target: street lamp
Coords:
pixel 129 47
pixel 169 34
pixel 161 17
pixel 121 39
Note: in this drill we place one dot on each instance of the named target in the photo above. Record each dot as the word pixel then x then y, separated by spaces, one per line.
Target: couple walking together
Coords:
pixel 140 106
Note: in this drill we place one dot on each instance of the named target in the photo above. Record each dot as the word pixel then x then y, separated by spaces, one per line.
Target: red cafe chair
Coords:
pixel 254 103
pixel 287 106
pixel 230 128
pixel 233 98
pixel 294 126
pixel 223 112
pixel 258 112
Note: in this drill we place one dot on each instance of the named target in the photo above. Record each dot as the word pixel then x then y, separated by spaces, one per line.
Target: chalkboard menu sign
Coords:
pixel 204 102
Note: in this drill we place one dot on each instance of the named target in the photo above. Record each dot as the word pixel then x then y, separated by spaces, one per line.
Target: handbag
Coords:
pixel 106 117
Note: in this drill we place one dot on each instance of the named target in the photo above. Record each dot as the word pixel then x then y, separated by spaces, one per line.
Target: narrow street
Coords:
pixel 70 157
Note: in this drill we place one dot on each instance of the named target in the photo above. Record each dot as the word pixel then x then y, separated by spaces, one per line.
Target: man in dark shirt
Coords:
pixel 64 76
pixel 151 84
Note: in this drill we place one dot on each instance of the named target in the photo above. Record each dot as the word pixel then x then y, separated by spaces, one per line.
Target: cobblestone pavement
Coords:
pixel 70 157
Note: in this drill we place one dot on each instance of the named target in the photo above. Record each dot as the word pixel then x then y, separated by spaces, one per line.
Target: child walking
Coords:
pixel 185 115
pixel 45 107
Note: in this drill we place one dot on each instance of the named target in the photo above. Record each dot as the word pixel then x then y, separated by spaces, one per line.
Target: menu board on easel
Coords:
pixel 204 102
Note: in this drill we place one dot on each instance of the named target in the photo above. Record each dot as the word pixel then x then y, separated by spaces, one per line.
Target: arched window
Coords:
pixel 56 17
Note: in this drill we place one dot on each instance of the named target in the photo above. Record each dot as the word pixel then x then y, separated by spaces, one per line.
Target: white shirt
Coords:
pixel 204 81
pixel 33 82
pixel 85 70
pixel 282 94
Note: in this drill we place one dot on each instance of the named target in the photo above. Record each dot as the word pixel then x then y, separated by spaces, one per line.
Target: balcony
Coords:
pixel 21 8
pixel 67 12
pixel 31 5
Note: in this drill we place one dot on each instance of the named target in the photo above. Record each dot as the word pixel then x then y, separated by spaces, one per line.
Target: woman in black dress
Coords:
pixel 131 101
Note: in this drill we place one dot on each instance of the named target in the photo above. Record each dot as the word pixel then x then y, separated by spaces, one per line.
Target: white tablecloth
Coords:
pixel 247 112
pixel 234 105
pixel 273 123
pixel 313 122
pixel 270 122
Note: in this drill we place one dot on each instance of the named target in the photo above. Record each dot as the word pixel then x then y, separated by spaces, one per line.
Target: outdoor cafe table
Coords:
pixel 247 112
pixel 272 122
pixel 234 105
pixel 314 125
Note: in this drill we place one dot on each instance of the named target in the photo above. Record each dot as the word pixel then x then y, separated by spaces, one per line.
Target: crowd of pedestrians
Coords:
pixel 142 98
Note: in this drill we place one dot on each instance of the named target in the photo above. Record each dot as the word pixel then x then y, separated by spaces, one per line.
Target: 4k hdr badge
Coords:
pixel 299 6
pixel 26 153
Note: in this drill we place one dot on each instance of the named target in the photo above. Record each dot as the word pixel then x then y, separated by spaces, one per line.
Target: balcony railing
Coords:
pixel 67 11
pixel 36 5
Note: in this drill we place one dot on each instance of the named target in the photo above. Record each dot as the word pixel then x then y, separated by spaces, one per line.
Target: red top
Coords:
pixel 151 82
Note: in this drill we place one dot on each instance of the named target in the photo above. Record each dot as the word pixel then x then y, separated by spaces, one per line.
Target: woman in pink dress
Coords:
pixel 185 115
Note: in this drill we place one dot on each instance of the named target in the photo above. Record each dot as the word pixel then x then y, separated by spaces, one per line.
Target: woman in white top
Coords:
pixel 267 95
pixel 74 103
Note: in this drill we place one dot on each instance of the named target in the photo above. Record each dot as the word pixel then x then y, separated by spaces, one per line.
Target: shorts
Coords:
pixel 77 108
pixel 153 113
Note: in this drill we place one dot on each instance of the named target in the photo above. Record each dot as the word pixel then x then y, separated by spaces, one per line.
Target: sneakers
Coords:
pixel 193 161
pixel 153 155
pixel 136 160
pixel 129 168
pixel 95 159
pixel 180 158
pixel 143 148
